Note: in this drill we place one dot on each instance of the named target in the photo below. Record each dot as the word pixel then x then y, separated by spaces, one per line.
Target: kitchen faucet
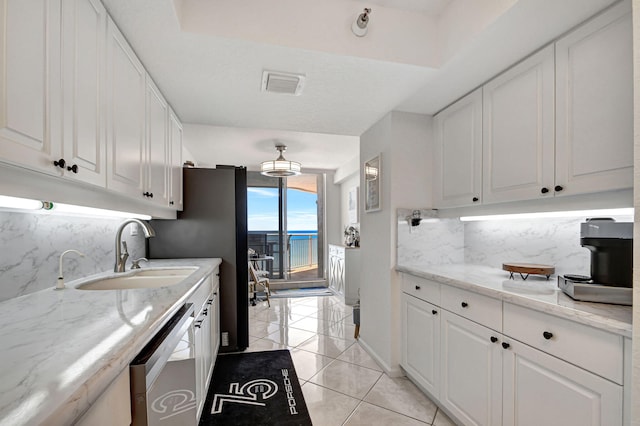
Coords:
pixel 121 258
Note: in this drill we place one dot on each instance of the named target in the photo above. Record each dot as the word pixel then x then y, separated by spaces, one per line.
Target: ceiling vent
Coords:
pixel 282 82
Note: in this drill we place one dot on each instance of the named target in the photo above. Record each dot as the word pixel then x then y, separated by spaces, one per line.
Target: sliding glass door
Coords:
pixel 285 218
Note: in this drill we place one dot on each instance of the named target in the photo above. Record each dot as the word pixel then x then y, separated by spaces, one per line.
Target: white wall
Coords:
pixel 404 142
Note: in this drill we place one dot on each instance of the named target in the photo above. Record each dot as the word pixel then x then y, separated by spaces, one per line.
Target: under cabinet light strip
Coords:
pixel 7 202
pixel 541 215
pixel 70 209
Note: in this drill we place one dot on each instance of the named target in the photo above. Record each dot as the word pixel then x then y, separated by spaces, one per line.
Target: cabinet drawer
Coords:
pixel 201 295
pixel 595 350
pixel 476 307
pixel 421 288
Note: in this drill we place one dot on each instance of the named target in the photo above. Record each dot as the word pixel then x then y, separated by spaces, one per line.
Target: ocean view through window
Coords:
pixel 283 223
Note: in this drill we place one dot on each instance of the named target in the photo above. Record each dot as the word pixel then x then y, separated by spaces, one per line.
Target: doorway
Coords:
pixel 285 223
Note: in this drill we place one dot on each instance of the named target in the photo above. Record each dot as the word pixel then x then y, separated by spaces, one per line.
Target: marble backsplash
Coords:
pixel 433 242
pixel 554 241
pixel 31 244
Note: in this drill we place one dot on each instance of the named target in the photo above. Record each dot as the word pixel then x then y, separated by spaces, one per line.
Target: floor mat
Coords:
pixel 302 292
pixel 256 388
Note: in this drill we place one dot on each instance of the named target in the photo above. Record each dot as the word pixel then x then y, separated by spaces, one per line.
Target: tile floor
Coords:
pixel 342 385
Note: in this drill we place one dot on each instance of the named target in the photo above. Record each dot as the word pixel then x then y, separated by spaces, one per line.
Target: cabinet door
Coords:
pixel 421 342
pixel 175 138
pixel 518 131
pixel 543 390
pixel 471 371
pixel 200 378
pixel 458 153
pixel 30 113
pixel 83 53
pixel 125 116
pixel 336 274
pixel 157 152
pixel 594 95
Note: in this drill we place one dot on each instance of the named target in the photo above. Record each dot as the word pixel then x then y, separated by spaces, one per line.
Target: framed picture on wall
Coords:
pixel 353 205
pixel 372 176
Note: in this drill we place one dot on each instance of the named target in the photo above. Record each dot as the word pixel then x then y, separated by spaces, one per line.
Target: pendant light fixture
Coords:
pixel 280 167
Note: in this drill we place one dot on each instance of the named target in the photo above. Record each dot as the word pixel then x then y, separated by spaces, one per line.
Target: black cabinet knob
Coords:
pixel 505 345
pixel 60 163
pixel 464 304
pixel 494 339
pixel 475 199
pixel 151 194
pixel 558 188
pixel 417 287
pixel 547 335
pixel 544 190
pixel 434 312
pixel 73 168
pixel 170 203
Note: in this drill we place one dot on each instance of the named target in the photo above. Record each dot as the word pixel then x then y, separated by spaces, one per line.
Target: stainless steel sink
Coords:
pixel 144 278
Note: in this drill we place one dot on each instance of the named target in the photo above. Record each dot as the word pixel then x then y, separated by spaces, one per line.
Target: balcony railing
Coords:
pixel 303 250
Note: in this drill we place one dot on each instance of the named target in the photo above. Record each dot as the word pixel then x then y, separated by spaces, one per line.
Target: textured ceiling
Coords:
pixel 212 75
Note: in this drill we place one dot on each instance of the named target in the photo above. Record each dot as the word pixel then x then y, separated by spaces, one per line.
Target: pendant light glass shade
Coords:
pixel 280 167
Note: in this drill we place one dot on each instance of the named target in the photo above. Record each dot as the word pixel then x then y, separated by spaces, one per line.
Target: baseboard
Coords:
pixel 395 371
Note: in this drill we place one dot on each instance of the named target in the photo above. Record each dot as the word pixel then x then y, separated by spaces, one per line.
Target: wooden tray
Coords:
pixel 526 269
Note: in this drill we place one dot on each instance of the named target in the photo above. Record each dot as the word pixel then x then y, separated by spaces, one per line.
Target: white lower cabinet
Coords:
pixel 336 269
pixel 481 376
pixel 113 407
pixel 471 371
pixel 344 273
pixel 420 342
pixel 207 331
pixel 540 389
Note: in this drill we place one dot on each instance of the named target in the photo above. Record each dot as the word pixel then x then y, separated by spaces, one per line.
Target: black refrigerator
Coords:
pixel 213 223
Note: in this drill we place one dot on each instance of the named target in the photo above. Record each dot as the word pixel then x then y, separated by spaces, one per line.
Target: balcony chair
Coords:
pixel 257 278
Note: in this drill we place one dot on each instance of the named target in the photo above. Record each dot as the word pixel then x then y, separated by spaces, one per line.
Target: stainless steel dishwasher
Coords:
pixel 163 375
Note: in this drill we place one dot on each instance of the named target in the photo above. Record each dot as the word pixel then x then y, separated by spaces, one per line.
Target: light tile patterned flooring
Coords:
pixel 341 384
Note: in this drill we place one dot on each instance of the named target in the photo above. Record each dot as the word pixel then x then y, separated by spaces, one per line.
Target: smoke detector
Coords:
pixel 282 82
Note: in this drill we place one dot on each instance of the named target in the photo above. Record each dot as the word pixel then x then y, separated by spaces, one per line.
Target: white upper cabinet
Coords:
pixel 83 52
pixel 157 147
pixel 175 144
pixel 594 96
pixel 125 116
pixel 29 84
pixel 458 153
pixel 518 131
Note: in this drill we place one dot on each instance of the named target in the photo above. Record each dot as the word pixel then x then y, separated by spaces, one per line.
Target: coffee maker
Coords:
pixel 611 247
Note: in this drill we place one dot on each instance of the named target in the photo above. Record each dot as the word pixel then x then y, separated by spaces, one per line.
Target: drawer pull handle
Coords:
pixel 547 335
pixel 464 304
pixel 434 312
pixel 544 190
pixel 494 339
pixel 417 287
pixel 505 345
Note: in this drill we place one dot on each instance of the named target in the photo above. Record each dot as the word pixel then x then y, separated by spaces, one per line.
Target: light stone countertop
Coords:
pixel 536 293
pixel 61 349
